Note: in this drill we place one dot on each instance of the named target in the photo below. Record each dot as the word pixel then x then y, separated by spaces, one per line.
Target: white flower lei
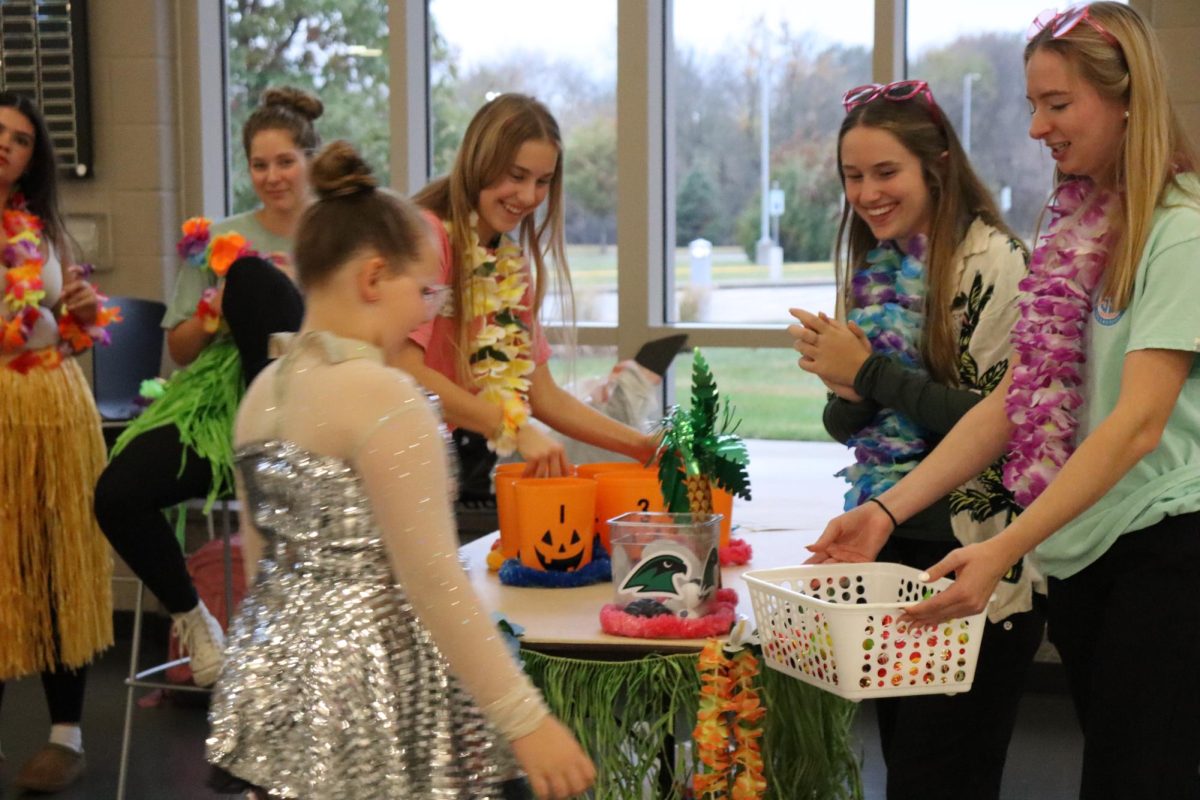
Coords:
pixel 500 348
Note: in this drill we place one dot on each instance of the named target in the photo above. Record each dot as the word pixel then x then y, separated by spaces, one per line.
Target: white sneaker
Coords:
pixel 200 637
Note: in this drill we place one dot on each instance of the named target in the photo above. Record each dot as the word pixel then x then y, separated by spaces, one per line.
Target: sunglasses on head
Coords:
pixel 1062 23
pixel 897 92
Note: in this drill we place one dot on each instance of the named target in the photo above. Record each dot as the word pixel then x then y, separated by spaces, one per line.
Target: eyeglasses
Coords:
pixel 897 92
pixel 1061 24
pixel 434 296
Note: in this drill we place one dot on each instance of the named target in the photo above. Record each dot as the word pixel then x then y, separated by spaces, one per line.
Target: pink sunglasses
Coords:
pixel 897 92
pixel 1061 24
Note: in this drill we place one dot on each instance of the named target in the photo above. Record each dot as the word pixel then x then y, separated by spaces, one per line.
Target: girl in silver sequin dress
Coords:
pixel 360 663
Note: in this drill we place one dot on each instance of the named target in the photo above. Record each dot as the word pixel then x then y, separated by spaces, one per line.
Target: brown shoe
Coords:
pixel 52 769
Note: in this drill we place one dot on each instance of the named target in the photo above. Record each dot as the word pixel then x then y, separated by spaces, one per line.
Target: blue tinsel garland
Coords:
pixel 514 573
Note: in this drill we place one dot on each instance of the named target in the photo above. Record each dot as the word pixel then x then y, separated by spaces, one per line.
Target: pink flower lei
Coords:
pixel 1048 340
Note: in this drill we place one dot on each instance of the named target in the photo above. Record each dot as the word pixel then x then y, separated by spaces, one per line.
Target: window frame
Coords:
pixel 645 215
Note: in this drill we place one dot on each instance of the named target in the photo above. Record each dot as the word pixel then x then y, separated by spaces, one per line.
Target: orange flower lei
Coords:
pixel 198 248
pixel 24 292
pixel 728 726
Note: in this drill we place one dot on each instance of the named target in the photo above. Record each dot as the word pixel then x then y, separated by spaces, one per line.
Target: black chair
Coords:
pixel 134 355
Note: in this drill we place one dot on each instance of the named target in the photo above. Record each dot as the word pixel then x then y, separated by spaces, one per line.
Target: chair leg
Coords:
pixel 227 552
pixel 134 656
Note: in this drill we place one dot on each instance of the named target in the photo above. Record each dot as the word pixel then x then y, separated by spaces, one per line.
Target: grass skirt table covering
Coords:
pixel 627 713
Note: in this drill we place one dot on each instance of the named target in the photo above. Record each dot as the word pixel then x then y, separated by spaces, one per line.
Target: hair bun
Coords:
pixel 339 171
pixel 306 104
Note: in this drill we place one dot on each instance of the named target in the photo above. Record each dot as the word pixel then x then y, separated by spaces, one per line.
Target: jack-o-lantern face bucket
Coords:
pixel 621 492
pixel 555 520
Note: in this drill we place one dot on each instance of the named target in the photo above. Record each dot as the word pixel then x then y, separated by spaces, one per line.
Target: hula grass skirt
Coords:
pixel 52 554
pixel 201 401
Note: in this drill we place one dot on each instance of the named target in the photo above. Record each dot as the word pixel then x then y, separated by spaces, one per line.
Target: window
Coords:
pixel 971 55
pixel 564 54
pixel 738 260
pixel 336 50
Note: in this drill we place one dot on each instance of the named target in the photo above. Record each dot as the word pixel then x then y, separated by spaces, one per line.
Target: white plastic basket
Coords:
pixel 835 626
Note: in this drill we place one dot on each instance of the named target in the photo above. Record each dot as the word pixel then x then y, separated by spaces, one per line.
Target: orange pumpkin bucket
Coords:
pixel 621 492
pixel 555 522
pixel 594 469
pixel 506 507
pixel 723 505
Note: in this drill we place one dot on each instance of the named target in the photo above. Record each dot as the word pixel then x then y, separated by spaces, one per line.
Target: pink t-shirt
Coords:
pixel 438 338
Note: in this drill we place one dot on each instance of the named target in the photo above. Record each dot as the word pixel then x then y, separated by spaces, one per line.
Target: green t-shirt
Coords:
pixel 1163 314
pixel 191 282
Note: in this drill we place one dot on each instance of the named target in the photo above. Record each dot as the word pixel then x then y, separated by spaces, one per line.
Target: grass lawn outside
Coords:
pixel 772 396
pixel 595 267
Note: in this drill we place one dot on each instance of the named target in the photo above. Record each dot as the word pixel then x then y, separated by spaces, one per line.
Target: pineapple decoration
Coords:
pixel 699 448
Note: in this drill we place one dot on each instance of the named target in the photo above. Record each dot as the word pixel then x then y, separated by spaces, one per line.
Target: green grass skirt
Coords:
pixel 201 401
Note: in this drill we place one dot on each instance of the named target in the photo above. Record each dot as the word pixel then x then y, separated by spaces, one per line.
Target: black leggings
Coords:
pixel 259 300
pixel 63 687
pixel 927 738
pixel 146 476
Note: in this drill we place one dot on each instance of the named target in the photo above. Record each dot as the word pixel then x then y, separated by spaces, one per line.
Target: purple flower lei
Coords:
pixel 1048 340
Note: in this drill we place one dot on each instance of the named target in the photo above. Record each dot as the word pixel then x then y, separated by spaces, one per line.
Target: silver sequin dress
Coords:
pixel 332 687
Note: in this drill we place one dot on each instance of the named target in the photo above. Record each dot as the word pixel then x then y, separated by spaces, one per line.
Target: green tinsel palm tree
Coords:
pixel 700 448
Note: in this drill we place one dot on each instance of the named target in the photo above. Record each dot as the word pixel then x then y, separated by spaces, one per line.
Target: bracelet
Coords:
pixel 515 413
pixel 886 510
pixel 206 313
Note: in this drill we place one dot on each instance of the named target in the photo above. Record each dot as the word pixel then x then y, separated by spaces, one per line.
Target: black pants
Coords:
pixel 1128 630
pixel 955 746
pixel 145 478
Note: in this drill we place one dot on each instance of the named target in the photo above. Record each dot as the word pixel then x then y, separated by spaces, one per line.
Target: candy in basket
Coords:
pixel 837 627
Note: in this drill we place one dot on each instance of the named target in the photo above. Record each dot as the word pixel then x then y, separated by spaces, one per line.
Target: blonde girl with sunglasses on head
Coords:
pixel 1099 412
pixel 927 277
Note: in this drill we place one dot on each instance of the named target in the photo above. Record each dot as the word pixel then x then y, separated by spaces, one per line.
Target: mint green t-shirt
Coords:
pixel 1163 314
pixel 191 281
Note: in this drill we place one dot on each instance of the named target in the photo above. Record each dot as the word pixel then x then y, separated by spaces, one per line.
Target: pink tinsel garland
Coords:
pixel 736 553
pixel 1048 341
pixel 614 621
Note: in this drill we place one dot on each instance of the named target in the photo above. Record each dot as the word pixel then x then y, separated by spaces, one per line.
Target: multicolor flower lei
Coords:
pixel 500 347
pixel 24 292
pixel 1048 340
pixel 728 726
pixel 889 306
pixel 198 248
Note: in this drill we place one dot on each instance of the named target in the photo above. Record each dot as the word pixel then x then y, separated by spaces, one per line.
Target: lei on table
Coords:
pixel 1049 338
pixel 889 306
pixel 500 348
pixel 729 724
pixel 215 255
pixel 24 291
